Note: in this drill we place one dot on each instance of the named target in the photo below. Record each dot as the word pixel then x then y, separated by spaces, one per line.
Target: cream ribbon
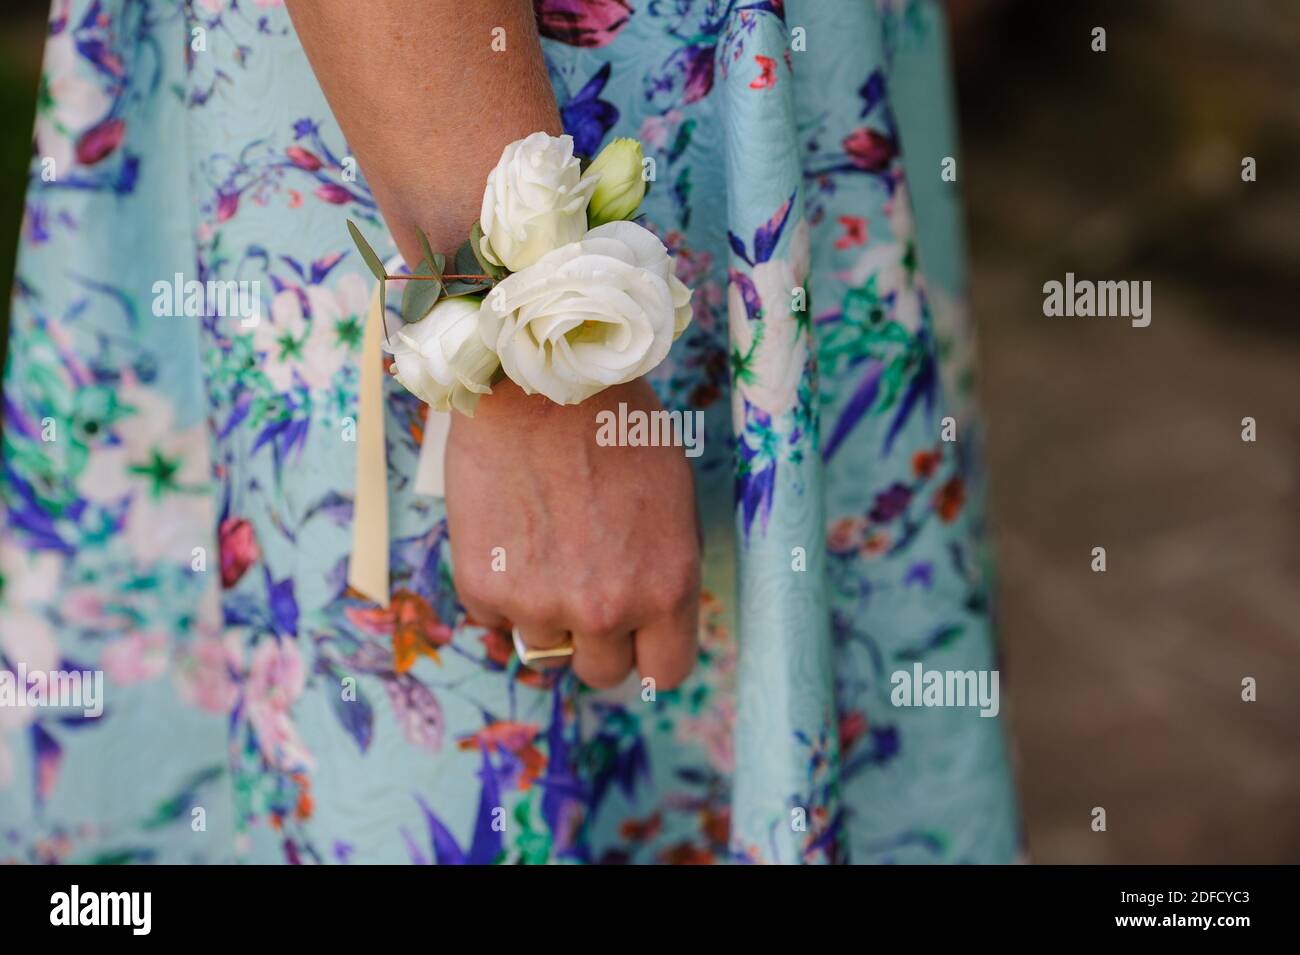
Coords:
pixel 368 562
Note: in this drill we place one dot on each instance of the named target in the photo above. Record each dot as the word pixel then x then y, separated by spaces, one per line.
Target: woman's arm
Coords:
pixel 425 101
pixel 601 544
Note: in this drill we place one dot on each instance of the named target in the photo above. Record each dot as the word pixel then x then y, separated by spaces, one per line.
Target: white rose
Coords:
pixel 443 359
pixel 535 201
pixel 590 314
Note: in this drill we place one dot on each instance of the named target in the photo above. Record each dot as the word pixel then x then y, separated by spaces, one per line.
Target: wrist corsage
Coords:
pixel 555 288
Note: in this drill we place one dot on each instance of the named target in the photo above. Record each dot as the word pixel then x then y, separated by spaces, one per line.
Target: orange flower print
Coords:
pixel 846 535
pixel 686 854
pixel 413 625
pixel 507 736
pixel 768 77
pixel 853 726
pixel 641 830
pixel 877 543
pixel 949 499
pixel 855 232
pixel 715 824
pixel 925 463
pixel 302 810
pixel 415 423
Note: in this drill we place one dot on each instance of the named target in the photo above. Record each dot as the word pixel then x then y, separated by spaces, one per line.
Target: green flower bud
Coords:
pixel 620 186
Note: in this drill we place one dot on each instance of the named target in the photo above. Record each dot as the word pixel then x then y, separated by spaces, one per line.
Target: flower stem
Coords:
pixel 438 278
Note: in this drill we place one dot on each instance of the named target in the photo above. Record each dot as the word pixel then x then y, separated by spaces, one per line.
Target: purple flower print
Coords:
pixel 890 503
pixel 583 23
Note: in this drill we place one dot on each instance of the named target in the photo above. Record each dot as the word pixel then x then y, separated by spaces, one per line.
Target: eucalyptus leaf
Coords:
pixel 466 261
pixel 368 255
pixel 497 272
pixel 418 298
pixel 458 287
pixel 428 250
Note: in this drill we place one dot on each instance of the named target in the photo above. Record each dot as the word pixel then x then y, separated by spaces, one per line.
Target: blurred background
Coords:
pixel 1125 687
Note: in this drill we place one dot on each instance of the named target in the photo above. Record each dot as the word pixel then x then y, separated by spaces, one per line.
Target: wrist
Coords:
pixel 508 404
pixel 509 414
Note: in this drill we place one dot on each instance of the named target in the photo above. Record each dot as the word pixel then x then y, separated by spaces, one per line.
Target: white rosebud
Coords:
pixel 535 201
pixel 591 314
pixel 620 185
pixel 443 359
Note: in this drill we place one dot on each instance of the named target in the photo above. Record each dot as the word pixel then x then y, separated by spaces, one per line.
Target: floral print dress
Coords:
pixel 177 490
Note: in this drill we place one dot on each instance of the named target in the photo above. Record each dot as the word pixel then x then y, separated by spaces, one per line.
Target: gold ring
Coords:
pixel 527 655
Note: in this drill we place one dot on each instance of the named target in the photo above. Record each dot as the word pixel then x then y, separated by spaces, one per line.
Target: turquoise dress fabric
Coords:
pixel 177 489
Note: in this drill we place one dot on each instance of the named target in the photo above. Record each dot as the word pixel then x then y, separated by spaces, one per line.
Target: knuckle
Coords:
pixel 475 585
pixel 596 615
pixel 676 584
pixel 526 605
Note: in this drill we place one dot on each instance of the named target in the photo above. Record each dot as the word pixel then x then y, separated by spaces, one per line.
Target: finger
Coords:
pixel 544 637
pixel 603 660
pixel 479 614
pixel 667 647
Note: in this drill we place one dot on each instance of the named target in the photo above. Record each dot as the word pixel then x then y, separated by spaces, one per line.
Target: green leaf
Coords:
pixel 457 287
pixel 428 250
pixel 418 298
pixel 497 272
pixel 466 262
pixel 367 253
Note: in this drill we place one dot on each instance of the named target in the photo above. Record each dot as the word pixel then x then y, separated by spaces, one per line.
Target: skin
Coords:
pixel 601 543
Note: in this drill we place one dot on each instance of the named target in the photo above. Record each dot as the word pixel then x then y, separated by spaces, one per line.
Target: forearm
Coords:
pixel 426 102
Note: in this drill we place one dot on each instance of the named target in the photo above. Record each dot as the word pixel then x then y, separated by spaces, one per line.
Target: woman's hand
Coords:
pixel 598 542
